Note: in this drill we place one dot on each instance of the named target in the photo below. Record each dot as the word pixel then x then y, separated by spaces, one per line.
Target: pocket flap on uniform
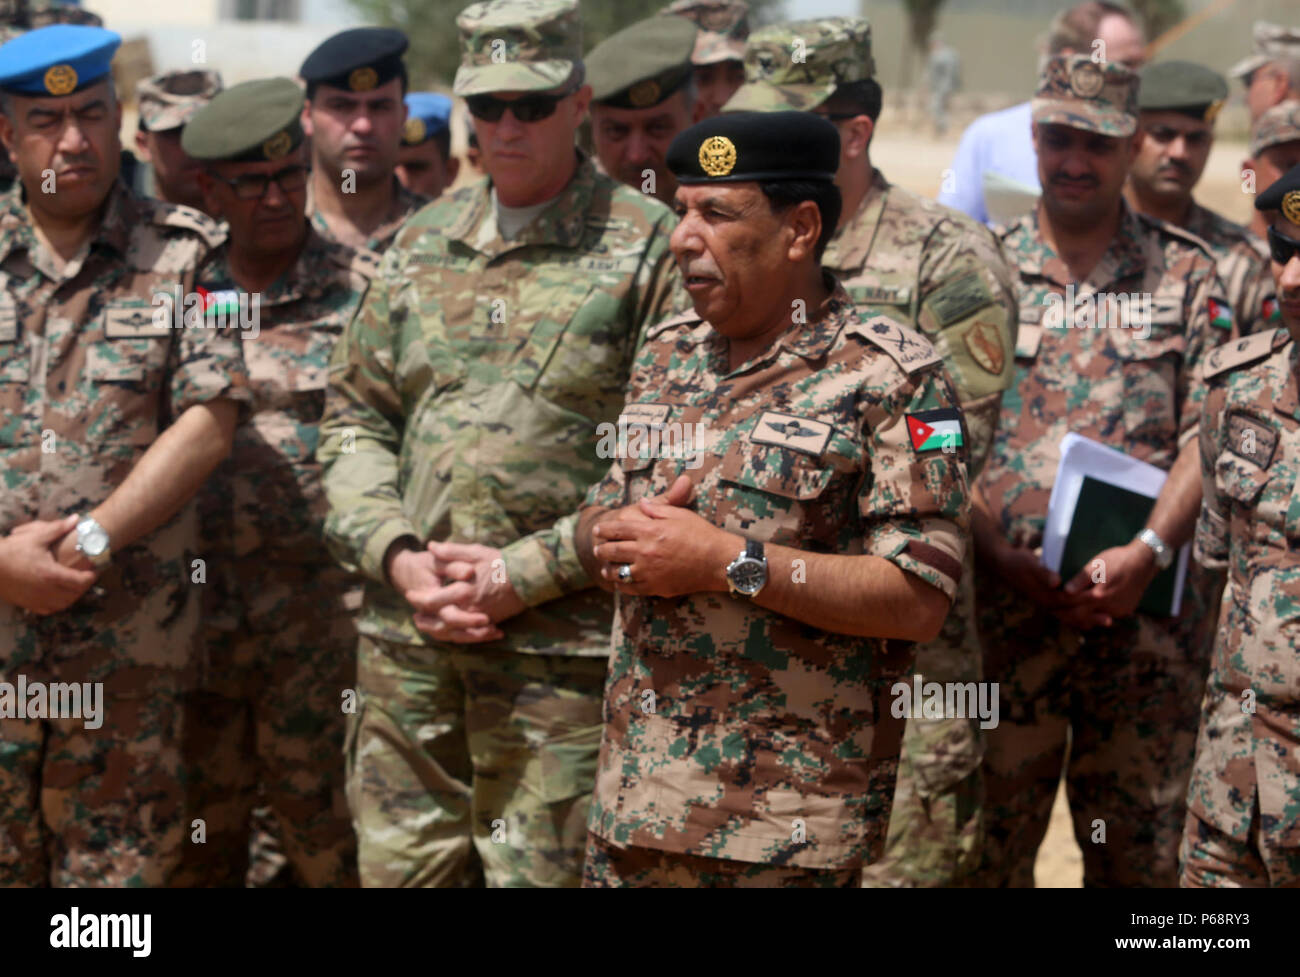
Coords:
pixel 121 362
pixel 776 470
pixel 1238 479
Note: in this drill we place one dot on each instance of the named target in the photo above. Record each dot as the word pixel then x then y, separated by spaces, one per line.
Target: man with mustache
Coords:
pixel 279 622
pixel 1242 826
pixel 939 272
pixel 1081 665
pixel 642 95
pixel 462 427
pixel 1179 102
pixel 761 628
pixel 111 418
pixel 354 117
pixel 164 104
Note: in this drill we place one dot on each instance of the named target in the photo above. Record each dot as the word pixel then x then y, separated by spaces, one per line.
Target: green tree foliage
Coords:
pixel 431 26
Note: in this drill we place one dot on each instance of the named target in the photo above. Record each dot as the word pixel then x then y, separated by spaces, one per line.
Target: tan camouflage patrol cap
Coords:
pixel 1272 42
pixel 1073 90
pixel 169 100
pixel 722 26
pixel 1280 124
pixel 517 45
pixel 799 64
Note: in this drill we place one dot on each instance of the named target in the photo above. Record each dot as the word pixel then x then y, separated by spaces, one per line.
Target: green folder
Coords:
pixel 1108 516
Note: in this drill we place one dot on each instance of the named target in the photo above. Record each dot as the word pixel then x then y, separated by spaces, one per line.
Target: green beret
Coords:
pixel 249 123
pixel 740 146
pixel 1182 86
pixel 641 65
pixel 1283 195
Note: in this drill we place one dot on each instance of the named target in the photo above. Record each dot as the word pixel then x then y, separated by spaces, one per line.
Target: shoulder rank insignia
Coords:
pixel 1241 352
pixel 910 350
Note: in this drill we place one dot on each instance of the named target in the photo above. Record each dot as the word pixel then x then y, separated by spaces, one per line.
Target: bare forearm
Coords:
pixel 1179 502
pixel 169 473
pixel 867 596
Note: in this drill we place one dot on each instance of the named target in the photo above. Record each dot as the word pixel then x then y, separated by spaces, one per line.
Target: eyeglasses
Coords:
pixel 1281 247
pixel 253 186
pixel 529 108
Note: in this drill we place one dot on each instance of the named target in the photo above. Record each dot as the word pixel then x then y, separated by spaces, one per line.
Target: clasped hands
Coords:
pixel 41 569
pixel 461 592
pixel 1109 586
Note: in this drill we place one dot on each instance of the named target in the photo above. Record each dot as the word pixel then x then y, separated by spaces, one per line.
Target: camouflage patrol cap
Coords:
pixel 722 26
pixel 517 45
pixel 252 122
pixel 641 65
pixel 169 100
pixel 1073 90
pixel 1184 87
pixel 45 12
pixel 1280 124
pixel 1272 43
pixel 799 64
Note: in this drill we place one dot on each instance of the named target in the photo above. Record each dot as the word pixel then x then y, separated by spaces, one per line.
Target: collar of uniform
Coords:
pixel 1122 258
pixel 852 242
pixel 308 277
pixel 559 225
pixel 1289 402
pixel 121 213
pixel 809 340
pixel 405 203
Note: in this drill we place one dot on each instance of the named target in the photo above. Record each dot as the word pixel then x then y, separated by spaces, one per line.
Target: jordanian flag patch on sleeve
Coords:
pixel 1271 311
pixel 1220 314
pixel 935 430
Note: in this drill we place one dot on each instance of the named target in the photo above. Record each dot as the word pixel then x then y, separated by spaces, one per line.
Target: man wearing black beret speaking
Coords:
pixel 761 626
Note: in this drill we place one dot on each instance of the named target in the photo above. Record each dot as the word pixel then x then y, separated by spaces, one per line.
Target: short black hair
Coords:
pixel 860 97
pixel 783 194
pixel 313 85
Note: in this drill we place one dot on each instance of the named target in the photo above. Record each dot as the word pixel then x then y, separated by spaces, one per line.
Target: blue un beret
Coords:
pixel 57 60
pixel 427 114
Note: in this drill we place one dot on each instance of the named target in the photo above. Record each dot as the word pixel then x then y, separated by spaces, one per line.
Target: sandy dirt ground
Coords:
pixel 918 162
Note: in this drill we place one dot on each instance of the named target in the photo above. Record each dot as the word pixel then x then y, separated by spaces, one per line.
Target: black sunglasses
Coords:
pixel 1281 247
pixel 529 108
pixel 254 185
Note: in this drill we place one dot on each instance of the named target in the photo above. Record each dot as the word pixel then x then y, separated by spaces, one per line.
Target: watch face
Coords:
pixel 94 541
pixel 749 576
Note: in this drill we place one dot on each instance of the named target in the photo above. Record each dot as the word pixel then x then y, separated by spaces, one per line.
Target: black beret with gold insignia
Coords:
pixel 643 64
pixel 765 146
pixel 1283 195
pixel 251 122
pixel 1183 87
pixel 356 60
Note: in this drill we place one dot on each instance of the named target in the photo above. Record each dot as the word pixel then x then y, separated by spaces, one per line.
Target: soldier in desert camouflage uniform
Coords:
pixel 165 103
pixel 941 273
pixel 1274 150
pixel 1179 102
pixel 497 336
pixel 111 418
pixel 1243 817
pixel 1079 665
pixel 355 117
pixel 750 739
pixel 721 29
pixel 279 619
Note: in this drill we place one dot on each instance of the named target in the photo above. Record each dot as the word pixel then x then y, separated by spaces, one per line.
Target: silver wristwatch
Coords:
pixel 1164 555
pixel 747 573
pixel 92 543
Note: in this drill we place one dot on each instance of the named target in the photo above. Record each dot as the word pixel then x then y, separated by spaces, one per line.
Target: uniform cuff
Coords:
pixel 372 556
